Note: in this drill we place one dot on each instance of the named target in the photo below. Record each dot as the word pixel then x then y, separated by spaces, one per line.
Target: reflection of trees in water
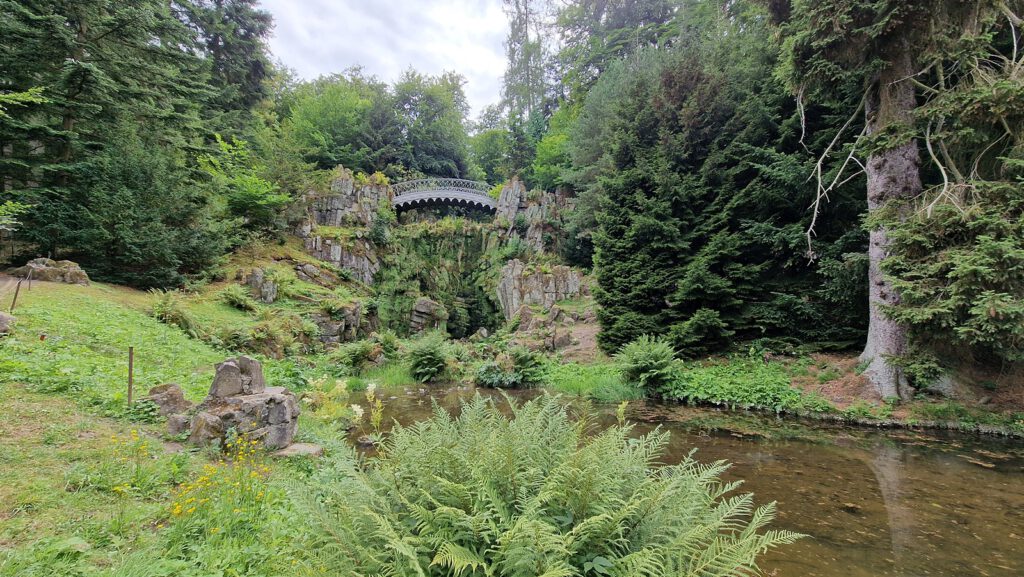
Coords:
pixel 888 463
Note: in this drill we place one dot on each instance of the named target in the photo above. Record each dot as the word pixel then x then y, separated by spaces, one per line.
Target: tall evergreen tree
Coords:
pixel 103 66
pixel 881 49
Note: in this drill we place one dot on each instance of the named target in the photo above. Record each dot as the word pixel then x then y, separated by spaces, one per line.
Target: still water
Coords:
pixel 893 503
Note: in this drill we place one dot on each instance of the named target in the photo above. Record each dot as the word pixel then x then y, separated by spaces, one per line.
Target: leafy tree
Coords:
pixel 237 179
pixel 431 115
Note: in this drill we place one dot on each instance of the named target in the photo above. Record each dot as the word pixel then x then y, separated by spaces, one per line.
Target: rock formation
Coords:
pixel 239 400
pixel 6 324
pixel 342 326
pixel 45 269
pixel 520 284
pixel 426 315
pixel 170 399
pixel 511 200
pixel 358 255
pixel 350 203
pixel 265 289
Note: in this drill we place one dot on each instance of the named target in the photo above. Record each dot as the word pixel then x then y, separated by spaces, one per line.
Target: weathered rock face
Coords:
pixel 265 289
pixel 344 326
pixel 170 399
pixel 358 256
pixel 519 285
pixel 240 400
pixel 427 314
pixel 511 200
pixel 543 215
pixel 46 269
pixel 350 203
pixel 6 324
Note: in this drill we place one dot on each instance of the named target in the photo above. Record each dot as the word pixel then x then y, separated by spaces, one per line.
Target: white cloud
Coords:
pixel 385 37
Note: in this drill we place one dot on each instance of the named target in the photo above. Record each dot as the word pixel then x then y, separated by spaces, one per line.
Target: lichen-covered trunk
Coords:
pixel 893 173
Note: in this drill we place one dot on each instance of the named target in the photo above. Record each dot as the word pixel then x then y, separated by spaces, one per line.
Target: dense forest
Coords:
pixel 778 175
pixel 256 324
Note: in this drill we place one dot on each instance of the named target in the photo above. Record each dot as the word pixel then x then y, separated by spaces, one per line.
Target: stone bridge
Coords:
pixel 452 191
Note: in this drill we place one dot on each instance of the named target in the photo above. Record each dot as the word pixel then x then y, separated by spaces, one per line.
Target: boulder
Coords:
pixel 511 200
pixel 300 450
pixel 240 376
pixel 239 400
pixel 560 338
pixel 45 269
pixel 177 424
pixel 7 324
pixel 170 399
pixel 427 314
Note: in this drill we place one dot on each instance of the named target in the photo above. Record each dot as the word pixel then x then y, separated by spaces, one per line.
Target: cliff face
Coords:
pixel 353 204
pixel 520 284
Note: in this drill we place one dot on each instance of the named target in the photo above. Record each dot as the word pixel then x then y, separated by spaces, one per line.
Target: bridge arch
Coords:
pixel 451 191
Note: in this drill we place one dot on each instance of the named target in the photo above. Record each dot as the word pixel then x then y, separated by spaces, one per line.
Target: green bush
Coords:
pixel 527 495
pixel 649 363
pixel 168 309
pixel 353 357
pixel 428 359
pixel 238 296
pixel 744 382
pixel 520 368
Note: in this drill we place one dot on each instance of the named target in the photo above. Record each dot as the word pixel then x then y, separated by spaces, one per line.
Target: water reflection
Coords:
pixel 875 504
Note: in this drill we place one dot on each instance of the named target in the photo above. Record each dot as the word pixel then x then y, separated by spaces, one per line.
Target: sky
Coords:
pixel 386 37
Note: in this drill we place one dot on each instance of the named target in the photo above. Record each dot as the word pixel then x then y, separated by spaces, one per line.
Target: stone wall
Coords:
pixel 521 285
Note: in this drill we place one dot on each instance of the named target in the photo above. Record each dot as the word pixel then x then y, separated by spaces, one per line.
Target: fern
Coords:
pixel 485 494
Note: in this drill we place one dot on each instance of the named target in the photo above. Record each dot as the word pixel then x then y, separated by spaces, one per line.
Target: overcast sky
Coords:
pixel 316 37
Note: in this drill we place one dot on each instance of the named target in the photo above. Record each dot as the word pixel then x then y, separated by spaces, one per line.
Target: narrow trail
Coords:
pixel 7 285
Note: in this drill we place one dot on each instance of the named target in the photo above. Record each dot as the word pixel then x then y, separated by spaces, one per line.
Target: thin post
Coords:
pixel 14 302
pixel 131 373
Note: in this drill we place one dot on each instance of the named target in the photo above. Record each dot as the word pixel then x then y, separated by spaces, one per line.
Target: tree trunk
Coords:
pixel 892 174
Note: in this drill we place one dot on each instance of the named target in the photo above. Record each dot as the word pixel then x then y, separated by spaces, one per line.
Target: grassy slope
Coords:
pixel 85 352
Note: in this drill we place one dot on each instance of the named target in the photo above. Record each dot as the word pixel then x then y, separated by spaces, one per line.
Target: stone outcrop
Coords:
pixel 342 326
pixel 358 256
pixel 45 269
pixel 170 399
pixel 521 285
pixel 264 288
pixel 511 200
pixel 427 314
pixel 239 400
pixel 350 203
pixel 6 324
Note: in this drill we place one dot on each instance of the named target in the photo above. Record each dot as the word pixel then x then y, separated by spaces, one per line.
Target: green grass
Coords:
pixel 85 352
pixel 600 382
pixel 390 375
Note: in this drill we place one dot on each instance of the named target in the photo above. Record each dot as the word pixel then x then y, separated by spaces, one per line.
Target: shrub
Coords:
pixel 354 356
pixel 428 359
pixel 238 296
pixel 168 309
pixel 649 363
pixel 519 368
pixel 531 494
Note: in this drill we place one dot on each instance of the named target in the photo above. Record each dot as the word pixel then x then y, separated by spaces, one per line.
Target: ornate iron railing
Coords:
pixel 423 184
pixel 443 189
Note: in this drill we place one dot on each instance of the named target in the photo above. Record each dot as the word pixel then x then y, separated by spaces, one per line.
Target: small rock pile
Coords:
pixel 46 269
pixel 239 400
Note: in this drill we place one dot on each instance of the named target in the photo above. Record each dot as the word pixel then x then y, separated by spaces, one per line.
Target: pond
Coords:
pixel 892 503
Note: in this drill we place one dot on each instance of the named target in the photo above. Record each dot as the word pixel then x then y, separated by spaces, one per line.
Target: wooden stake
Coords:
pixel 14 303
pixel 131 373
